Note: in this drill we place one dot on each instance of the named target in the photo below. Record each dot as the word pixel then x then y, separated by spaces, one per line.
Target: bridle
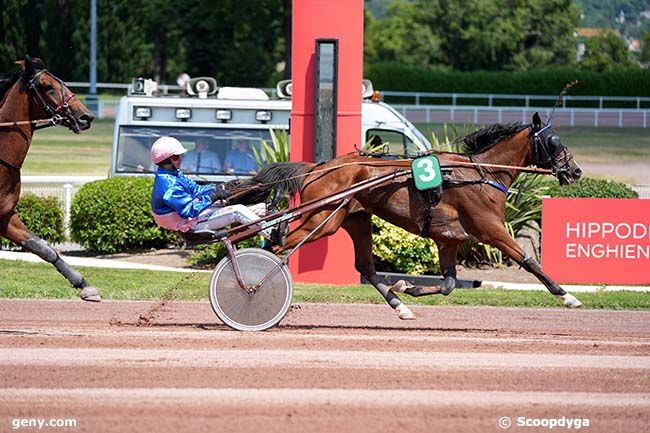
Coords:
pixel 549 152
pixel 60 114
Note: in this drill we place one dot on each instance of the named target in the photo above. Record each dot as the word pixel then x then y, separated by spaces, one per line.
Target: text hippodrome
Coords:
pixel 618 240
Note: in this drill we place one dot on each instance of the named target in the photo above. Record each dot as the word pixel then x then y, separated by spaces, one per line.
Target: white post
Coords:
pixel 67 204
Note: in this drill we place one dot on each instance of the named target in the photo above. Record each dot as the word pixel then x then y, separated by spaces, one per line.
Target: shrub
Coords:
pixel 113 215
pixel 593 188
pixel 42 216
pixel 397 250
pixel 207 256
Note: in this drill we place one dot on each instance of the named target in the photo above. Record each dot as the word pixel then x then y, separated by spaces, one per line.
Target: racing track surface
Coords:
pixel 326 368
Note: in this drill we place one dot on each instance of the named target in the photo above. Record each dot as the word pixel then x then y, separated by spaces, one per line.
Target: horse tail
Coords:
pixel 277 180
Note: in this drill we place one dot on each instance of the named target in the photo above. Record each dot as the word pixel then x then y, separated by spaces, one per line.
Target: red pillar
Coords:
pixel 331 259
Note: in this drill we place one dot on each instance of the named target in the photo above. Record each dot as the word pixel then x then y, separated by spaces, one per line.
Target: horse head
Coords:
pixel 54 99
pixel 548 151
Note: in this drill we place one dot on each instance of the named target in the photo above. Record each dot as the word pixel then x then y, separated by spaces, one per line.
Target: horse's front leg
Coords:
pixel 359 227
pixel 499 238
pixel 13 229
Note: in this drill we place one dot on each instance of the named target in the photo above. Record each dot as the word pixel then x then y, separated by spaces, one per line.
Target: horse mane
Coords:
pixel 485 138
pixel 7 83
pixel 279 179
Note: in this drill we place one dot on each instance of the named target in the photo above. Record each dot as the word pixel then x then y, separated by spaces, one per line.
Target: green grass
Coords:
pixel 31 280
pixel 59 151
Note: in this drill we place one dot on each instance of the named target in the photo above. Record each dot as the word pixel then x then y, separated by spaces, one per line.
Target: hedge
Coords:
pixel 593 188
pixel 114 215
pixel 396 250
pixel 42 216
pixel 397 77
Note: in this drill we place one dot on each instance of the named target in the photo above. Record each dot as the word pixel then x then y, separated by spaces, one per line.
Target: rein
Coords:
pixel 53 121
pixel 476 165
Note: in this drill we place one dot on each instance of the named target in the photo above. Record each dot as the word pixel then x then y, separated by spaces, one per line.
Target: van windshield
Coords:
pixel 210 151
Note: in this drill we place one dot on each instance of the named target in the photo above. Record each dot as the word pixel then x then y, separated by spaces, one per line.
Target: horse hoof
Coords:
pixel 401 287
pixel 570 301
pixel 448 285
pixel 90 294
pixel 405 312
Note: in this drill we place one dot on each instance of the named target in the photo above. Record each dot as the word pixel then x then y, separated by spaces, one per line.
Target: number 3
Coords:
pixel 429 173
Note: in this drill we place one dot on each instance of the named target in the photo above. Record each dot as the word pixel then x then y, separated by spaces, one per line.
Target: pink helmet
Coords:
pixel 166 147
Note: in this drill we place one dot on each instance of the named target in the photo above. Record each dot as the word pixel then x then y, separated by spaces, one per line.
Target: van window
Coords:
pixel 210 151
pixel 397 143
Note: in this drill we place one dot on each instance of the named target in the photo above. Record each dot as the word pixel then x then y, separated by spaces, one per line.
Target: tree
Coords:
pixel 606 52
pixel 395 38
pixel 644 56
pixel 238 42
pixel 475 34
pixel 517 35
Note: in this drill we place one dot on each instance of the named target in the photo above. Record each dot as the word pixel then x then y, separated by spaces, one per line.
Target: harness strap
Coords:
pixel 485 181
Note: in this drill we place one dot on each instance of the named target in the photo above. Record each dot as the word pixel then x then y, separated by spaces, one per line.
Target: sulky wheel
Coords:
pixel 262 308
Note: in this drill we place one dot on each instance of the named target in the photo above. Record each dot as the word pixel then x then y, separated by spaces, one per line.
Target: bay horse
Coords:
pixel 471 207
pixel 34 96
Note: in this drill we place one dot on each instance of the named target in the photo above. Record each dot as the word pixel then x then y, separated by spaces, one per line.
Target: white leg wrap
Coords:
pixel 570 301
pixel 400 287
pixel 404 312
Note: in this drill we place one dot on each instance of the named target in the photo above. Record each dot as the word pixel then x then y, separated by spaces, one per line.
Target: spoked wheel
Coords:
pixel 257 310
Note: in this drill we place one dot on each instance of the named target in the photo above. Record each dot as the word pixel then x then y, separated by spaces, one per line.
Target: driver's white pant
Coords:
pixel 216 217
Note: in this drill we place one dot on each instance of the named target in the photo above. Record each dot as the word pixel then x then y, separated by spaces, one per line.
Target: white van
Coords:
pixel 225 120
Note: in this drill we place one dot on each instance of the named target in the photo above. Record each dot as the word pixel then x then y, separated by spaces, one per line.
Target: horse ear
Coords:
pixel 537 121
pixel 28 66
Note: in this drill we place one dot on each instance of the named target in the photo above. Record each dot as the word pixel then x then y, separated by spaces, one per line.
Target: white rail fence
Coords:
pixel 476 108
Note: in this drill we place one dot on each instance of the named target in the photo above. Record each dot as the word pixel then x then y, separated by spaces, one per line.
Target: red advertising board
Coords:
pixel 591 240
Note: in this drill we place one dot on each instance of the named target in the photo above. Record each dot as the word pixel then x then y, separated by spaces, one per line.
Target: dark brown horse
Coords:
pixel 470 208
pixel 31 97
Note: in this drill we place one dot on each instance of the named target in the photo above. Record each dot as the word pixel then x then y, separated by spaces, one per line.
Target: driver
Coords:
pixel 180 204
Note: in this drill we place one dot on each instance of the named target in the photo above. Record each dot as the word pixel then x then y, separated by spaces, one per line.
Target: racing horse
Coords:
pixel 31 97
pixel 471 207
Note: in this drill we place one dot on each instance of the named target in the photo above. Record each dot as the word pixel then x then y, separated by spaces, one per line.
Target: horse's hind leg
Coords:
pixel 447 253
pixel 500 239
pixel 359 227
pixel 13 229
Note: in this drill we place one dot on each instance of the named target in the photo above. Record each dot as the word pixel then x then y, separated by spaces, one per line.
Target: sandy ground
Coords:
pixel 326 368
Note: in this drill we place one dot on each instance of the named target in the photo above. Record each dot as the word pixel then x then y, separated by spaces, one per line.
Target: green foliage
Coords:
pixel 645 48
pixel 277 151
pixel 42 216
pixel 113 215
pixel 605 53
pixel 157 38
pixel 620 82
pixel 207 256
pixel 474 35
pixel 397 250
pixel 593 188
pixel 396 39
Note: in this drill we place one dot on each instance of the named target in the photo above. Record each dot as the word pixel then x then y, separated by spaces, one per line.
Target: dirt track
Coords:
pixel 335 368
